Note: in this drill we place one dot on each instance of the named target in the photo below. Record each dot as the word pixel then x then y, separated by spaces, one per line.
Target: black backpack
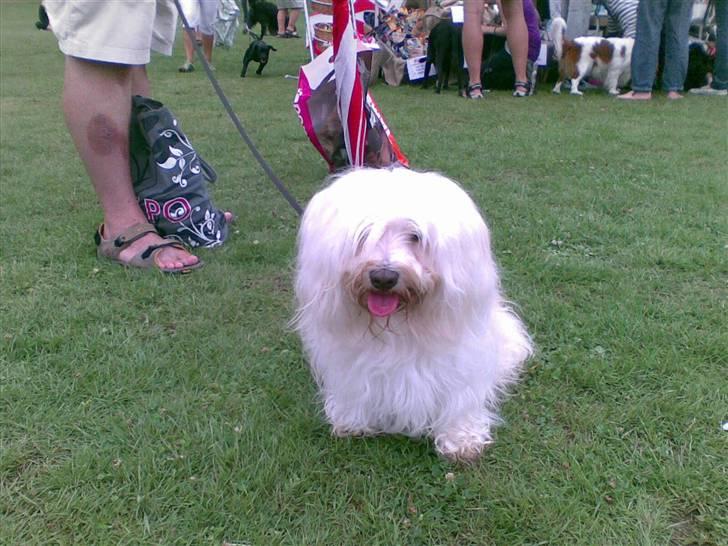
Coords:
pixel 170 178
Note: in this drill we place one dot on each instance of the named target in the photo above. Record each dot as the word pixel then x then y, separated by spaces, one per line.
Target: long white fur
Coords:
pixel 439 365
pixel 615 74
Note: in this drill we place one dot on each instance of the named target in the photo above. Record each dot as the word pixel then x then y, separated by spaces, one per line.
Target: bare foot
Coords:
pixel 635 95
pixel 674 95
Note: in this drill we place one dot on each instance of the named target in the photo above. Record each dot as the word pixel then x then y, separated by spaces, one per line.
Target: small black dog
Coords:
pixel 42 22
pixel 445 51
pixel 258 52
pixel 264 13
pixel 700 64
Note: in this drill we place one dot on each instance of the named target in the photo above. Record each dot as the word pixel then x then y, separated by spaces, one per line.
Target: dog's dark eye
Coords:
pixel 414 238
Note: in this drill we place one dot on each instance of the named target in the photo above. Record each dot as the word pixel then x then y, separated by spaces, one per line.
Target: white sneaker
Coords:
pixel 708 91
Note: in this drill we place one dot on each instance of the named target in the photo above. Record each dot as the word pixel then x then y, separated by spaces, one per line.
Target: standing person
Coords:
pixel 719 85
pixel 499 70
pixel 200 15
pixel 622 18
pixel 516 36
pixel 290 10
pixel 652 16
pixel 104 67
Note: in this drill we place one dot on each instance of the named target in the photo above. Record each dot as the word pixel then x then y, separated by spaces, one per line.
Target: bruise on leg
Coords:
pixel 103 136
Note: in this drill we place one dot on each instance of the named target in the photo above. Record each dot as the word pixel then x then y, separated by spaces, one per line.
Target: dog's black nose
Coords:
pixel 383 279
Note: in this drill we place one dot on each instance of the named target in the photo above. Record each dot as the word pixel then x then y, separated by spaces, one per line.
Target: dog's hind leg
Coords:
pixel 563 76
pixel 582 69
pixel 458 58
pixel 261 66
pixel 425 79
pixel 611 81
pixel 575 81
pixel 442 70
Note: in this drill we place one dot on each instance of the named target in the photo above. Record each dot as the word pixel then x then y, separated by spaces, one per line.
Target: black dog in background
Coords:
pixel 42 22
pixel 700 64
pixel 258 51
pixel 264 13
pixel 445 51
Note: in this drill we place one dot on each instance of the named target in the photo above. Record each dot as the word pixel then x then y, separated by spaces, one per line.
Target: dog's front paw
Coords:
pixel 462 445
pixel 346 431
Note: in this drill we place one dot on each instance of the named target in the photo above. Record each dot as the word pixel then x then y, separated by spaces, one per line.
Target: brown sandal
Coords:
pixel 110 249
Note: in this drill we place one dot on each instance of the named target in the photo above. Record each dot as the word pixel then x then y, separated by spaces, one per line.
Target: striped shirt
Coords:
pixel 622 17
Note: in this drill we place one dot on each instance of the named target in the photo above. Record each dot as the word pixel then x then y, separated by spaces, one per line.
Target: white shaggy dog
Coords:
pixel 400 310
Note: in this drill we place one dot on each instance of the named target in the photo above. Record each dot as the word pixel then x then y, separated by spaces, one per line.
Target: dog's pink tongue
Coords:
pixel 382 304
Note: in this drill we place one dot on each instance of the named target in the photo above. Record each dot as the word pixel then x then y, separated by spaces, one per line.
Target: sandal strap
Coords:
pixel 517 92
pixel 474 87
pixel 127 237
pixel 152 248
pixel 133 233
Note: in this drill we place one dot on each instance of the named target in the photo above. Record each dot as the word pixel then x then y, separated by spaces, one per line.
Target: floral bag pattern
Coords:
pixel 170 179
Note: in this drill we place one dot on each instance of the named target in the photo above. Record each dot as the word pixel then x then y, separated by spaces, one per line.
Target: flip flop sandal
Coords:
pixel 292 34
pixel 110 249
pixel 187 67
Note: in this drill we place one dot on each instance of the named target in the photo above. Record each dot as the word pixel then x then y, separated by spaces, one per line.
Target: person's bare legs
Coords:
pixel 473 42
pixel 97 106
pixel 281 18
pixel 189 48
pixel 208 40
pixel 517 37
pixel 292 18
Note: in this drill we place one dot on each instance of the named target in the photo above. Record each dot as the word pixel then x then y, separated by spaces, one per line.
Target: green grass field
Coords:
pixel 142 409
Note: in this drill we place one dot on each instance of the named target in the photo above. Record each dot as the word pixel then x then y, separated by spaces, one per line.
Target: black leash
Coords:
pixel 236 121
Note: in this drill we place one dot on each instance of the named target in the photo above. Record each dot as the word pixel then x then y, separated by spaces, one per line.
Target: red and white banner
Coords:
pixel 349 91
pixel 339 116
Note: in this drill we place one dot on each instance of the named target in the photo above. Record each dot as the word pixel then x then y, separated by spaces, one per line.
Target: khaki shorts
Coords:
pixel 113 31
pixel 201 14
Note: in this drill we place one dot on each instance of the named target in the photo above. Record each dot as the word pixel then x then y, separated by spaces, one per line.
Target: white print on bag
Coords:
pixel 179 159
pixel 178 210
pixel 175 210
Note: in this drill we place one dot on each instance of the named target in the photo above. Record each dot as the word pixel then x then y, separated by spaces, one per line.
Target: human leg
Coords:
pixel 187 66
pixel 473 45
pixel 677 28
pixel 208 41
pixel 281 16
pixel 517 37
pixel 208 14
pixel 720 74
pixel 292 18
pixel 97 106
pixel 650 16
pixel 719 85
